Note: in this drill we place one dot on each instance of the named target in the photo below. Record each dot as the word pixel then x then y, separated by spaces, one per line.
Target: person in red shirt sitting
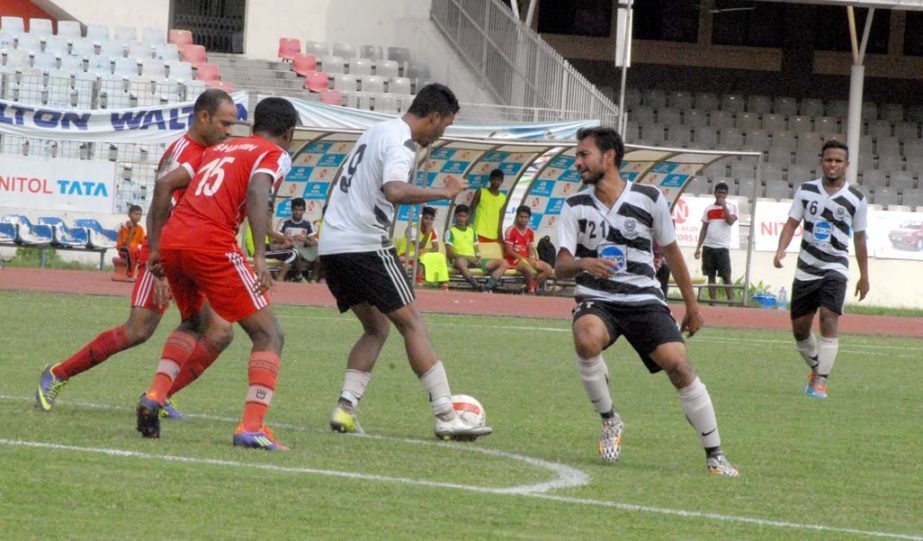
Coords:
pixel 519 250
pixel 131 235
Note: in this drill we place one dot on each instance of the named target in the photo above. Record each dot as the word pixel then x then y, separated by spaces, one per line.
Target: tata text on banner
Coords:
pixel 160 124
pixel 62 184
pixel 687 215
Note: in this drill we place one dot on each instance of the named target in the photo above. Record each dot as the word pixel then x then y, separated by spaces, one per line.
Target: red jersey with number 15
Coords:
pixel 215 202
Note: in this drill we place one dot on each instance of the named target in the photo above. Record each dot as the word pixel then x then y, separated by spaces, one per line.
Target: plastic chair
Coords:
pixel 387 68
pixel 345 83
pixel 208 72
pixel 316 81
pixel 97 33
pixel 333 64
pixel 371 52
pixel 13 25
pixel 399 85
pixel 180 37
pixel 227 86
pixel 40 27
pixel 399 54
pixel 153 36
pixel 166 52
pixel 194 54
pixel 344 50
pixel 317 48
pixel 288 48
pixel 141 51
pixel 331 97
pixel 373 83
pixel 180 70
pixel 126 34
pixel 360 66
pixel 69 29
pixel 100 237
pixel 303 64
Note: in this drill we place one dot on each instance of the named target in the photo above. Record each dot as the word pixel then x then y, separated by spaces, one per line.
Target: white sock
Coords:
pixel 594 375
pixel 436 384
pixel 700 413
pixel 808 350
pixel 355 382
pixel 826 355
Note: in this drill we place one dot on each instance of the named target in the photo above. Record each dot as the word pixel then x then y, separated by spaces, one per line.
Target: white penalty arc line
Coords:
pixel 564 476
pixel 121 453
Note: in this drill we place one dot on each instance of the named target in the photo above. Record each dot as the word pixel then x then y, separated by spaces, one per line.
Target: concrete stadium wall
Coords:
pixel 140 14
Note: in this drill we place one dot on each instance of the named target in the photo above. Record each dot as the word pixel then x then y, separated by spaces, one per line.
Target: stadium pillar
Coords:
pixel 856 81
pixel 623 36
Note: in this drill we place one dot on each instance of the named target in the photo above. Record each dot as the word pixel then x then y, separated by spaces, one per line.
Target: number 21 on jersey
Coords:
pixel 212 176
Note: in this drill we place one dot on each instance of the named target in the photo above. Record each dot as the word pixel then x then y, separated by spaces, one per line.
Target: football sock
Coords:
pixel 262 373
pixel 808 350
pixel 202 357
pixel 594 375
pixel 102 347
pixel 176 352
pixel 355 383
pixel 826 356
pixel 700 413
pixel 436 384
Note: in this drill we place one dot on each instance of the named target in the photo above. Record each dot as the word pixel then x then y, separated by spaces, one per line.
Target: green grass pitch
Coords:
pixel 846 468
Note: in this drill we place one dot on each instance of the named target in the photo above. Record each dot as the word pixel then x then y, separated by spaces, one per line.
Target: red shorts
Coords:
pixel 225 279
pixel 142 296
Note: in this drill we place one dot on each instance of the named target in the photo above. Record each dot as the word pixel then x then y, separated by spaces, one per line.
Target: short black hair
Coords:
pixel 134 208
pixel 299 202
pixel 496 173
pixel 721 186
pixel 274 116
pixel 462 208
pixel 434 98
pixel 525 209
pixel 833 143
pixel 606 139
pixel 210 100
pixel 429 211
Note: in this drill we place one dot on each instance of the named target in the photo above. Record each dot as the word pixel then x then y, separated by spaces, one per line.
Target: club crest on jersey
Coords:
pixel 616 256
pixel 822 231
pixel 630 228
pixel 840 213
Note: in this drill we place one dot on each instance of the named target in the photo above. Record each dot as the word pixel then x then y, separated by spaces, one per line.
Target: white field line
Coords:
pixel 121 453
pixel 564 476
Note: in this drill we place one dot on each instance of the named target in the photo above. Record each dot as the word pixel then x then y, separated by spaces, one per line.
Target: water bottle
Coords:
pixel 782 299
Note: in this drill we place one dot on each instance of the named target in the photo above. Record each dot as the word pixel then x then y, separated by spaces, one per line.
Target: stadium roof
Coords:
pixel 907 5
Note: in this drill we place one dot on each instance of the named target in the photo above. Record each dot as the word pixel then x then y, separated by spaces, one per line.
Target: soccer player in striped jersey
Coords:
pixel 605 238
pixel 831 210
pixel 214 113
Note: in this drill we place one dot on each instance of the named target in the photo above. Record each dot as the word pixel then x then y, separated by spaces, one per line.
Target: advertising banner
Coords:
pixel 687 216
pixel 60 185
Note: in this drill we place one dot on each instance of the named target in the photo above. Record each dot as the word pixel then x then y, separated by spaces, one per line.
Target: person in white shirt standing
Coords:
pixel 714 246
pixel 362 267
pixel 832 211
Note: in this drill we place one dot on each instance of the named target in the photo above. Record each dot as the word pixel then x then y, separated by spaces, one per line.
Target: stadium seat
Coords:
pixel 706 101
pixel 699 185
pixel 373 83
pixel 744 167
pixel 770 171
pixel 401 85
pixel 97 33
pixel 13 25
pixel 399 54
pixel 69 29
pixel 654 98
pixel 360 66
pixel 784 106
pixel 901 180
pixel 370 52
pixel 759 105
pixel 126 34
pixel 168 90
pixel 74 237
pixel 83 48
pixel 757 140
pixel 784 139
pixel 44 61
pixel 288 48
pixel 695 118
pixel 706 137
pixel 885 196
pixel 774 122
pixel 179 37
pixel 891 163
pixel 893 112
pixel 913 198
pixel 914 113
pixel 343 50
pixel 40 27
pixel 166 52
pixel 747 121
pixel 153 36
pixel 227 86
pixel 303 64
pixel 387 68
pixel 385 103
pixel 678 136
pixel 194 54
pixel 317 48
pixel 28 233
pixel 811 107
pixel 668 116
pixel 112 92
pixel 181 71
pixel 140 51
pixel 345 83
pixel 642 114
pixel 799 173
pixel 192 89
pixel 913 148
pixel 29 43
pixel 125 67
pixel 60 93
pixel 873 178
pixel 721 119
pixel 155 69
pixel 838 109
pixel 679 99
pixel 879 128
pixel 333 64
pixel 316 81
pixel 207 72
pixel 826 124
pixel 869 111
pixel 112 48
pixel 632 97
pixel 745 187
pixel 8 233
pixel 100 237
pixel 800 124
pixel 653 134
pixel 731 139
pixel 331 97
pixel 907 131
pixel 778 189
pixel 734 103
pixel 57 46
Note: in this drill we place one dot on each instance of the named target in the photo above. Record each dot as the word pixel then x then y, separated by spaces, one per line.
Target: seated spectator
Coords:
pixel 433 264
pixel 519 250
pixel 131 235
pixel 278 246
pixel 462 248
pixel 303 240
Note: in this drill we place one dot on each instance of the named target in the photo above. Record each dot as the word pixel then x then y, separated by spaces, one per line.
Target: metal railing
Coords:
pixel 519 68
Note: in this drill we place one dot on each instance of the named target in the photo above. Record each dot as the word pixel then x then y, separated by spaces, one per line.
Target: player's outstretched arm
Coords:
pixel 785 238
pixel 692 321
pixel 402 193
pixel 862 258
pixel 257 203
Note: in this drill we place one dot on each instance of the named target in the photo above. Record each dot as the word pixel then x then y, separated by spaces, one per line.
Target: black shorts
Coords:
pixel 808 296
pixel 377 278
pixel 645 327
pixel 716 261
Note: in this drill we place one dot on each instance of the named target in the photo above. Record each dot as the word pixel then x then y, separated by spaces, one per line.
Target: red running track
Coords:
pixel 460 302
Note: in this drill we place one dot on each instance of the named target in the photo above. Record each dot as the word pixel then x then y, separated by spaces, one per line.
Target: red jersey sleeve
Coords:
pixel 275 163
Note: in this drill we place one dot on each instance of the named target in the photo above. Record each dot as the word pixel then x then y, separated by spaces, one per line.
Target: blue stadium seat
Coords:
pixel 72 237
pixel 29 234
pixel 99 236
pixel 7 233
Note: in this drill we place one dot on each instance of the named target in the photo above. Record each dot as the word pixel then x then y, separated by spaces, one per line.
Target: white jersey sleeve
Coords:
pixel 797 211
pixel 664 233
pixel 860 219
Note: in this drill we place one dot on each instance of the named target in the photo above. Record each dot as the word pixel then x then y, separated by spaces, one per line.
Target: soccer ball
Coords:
pixel 469 409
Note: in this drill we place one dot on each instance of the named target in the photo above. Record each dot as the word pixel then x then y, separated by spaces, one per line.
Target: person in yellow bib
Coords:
pixel 461 246
pixel 488 204
pixel 433 264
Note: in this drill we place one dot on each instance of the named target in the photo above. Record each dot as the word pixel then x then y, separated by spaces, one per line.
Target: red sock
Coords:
pixel 176 352
pixel 202 357
pixel 262 373
pixel 102 347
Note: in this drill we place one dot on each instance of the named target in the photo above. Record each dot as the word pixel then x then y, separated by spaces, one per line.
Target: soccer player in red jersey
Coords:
pixel 214 113
pixel 519 250
pixel 233 183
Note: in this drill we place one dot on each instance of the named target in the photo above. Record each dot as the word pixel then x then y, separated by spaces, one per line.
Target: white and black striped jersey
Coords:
pixel 622 235
pixel 829 221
